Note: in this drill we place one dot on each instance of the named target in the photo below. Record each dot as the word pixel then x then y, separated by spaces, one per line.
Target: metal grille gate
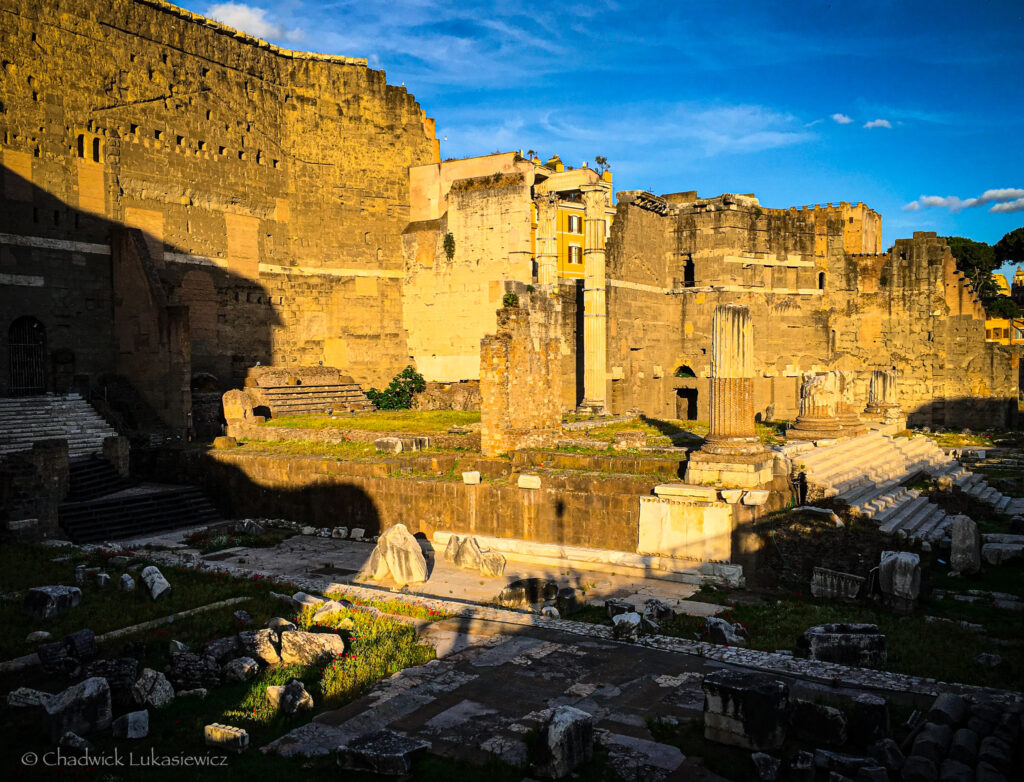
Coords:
pixel 26 346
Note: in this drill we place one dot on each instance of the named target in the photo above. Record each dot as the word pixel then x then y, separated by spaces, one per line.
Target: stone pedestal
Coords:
pixel 732 454
pixel 820 397
pixel 883 397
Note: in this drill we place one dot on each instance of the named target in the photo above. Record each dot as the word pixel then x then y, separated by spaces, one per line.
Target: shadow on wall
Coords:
pixel 117 312
pixel 970 412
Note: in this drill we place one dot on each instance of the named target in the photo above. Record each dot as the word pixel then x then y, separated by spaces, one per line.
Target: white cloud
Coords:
pixel 1017 205
pixel 1005 199
pixel 842 119
pixel 878 123
pixel 251 20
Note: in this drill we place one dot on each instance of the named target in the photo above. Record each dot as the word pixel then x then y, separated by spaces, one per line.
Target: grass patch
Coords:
pixel 396 607
pixel 218 538
pixel 383 421
pixel 347 451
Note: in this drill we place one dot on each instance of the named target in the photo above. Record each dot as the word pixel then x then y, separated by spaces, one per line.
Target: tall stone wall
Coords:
pixel 815 307
pixel 272 186
pixel 450 302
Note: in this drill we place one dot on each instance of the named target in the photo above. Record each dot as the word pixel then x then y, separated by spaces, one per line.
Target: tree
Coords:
pixel 1010 247
pixel 601 162
pixel 398 395
pixel 1003 307
pixel 977 260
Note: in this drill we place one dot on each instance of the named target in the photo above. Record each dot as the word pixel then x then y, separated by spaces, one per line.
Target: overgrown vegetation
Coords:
pixel 400 392
pixel 216 538
pixel 510 300
pixel 418 421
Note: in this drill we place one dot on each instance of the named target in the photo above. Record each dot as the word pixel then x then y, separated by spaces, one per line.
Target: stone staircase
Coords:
pixel 869 473
pixel 299 399
pixel 136 512
pixel 27 419
pixel 976 486
pixel 93 476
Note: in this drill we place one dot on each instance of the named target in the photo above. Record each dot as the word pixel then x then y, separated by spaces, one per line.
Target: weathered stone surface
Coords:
pixel 38 636
pixel 260 645
pixel 569 601
pixel 451 549
pixel 27 698
pixel 189 671
pixel 401 552
pixel 302 601
pixel 81 644
pixel 155 582
pixel 613 607
pixel 126 583
pixel 527 591
pixel 964 747
pixel 48 602
pixel 723 632
pixel 492 564
pixel 996 752
pixel 55 659
pixel 999 553
pixel 626 627
pixel 471 477
pixel 834 585
pixel 384 752
pixel 932 742
pixel 226 737
pixel 121 674
pixel 327 610
pixel 989 660
pixel 102 580
pixel 888 753
pixel 526 481
pixel 290 698
pixel 746 710
pixel 869 719
pixel 550 612
pixel 965 549
pixel 73 744
pixel 469 554
pixel 845 643
pixel 152 689
pixel 955 771
pixel 339 533
pixel 82 708
pixel 920 769
pixel 766 767
pixel 242 617
pixel 220 649
pixel 872 774
pixel 847 765
pixel 565 743
pixel 899 579
pixel 302 648
pixel 817 723
pixel 133 725
pixel 948 709
pixel 278 625
pixel 800 767
pixel 241 669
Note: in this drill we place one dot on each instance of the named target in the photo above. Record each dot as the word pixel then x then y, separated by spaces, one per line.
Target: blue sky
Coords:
pixel 915 108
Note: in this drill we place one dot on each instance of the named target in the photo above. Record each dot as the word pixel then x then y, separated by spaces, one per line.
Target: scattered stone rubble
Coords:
pixel 467 554
pixel 399 555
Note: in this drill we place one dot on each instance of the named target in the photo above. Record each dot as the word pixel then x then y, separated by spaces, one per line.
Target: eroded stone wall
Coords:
pixel 272 186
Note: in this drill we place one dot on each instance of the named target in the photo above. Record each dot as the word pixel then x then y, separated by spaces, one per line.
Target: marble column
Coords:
pixel 595 320
pixel 850 423
pixel 547 239
pixel 819 405
pixel 732 383
pixel 883 397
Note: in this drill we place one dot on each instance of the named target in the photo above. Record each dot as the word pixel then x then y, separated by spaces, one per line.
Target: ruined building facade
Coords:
pixel 181 202
pixel 270 188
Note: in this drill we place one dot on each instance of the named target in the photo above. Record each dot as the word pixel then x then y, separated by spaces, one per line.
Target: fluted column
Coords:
pixel 595 335
pixel 732 382
pixel 850 423
pixel 547 239
pixel 883 397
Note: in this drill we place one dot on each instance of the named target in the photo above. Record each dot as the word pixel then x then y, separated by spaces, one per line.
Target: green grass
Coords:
pixel 347 451
pixel 101 610
pixel 379 646
pixel 217 538
pixel 395 607
pixel 383 421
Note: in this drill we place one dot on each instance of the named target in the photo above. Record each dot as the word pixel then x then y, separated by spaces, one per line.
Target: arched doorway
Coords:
pixel 26 350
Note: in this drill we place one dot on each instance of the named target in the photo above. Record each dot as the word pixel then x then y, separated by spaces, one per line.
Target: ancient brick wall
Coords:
pixel 272 185
pixel 814 307
pixel 520 378
pixel 449 303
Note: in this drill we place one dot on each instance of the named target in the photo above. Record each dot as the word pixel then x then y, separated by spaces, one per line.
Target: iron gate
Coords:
pixel 26 347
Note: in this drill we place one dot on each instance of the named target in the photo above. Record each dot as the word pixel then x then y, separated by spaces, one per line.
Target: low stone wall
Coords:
pixel 567 509
pixel 469 441
pixel 666 468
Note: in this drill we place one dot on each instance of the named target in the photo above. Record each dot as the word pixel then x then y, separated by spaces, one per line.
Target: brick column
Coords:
pixel 732 383
pixel 547 239
pixel 595 335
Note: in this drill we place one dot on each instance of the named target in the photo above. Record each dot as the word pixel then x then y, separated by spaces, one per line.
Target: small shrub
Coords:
pixel 449 245
pixel 399 394
pixel 509 300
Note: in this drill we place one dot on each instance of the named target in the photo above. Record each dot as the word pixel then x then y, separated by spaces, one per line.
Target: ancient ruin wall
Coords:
pixel 272 185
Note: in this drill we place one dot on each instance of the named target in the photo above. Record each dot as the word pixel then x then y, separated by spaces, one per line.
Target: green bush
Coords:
pixel 509 300
pixel 398 395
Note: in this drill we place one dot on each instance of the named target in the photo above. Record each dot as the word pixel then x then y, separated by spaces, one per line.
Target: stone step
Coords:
pixel 910 524
pixel 905 511
pixel 928 526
